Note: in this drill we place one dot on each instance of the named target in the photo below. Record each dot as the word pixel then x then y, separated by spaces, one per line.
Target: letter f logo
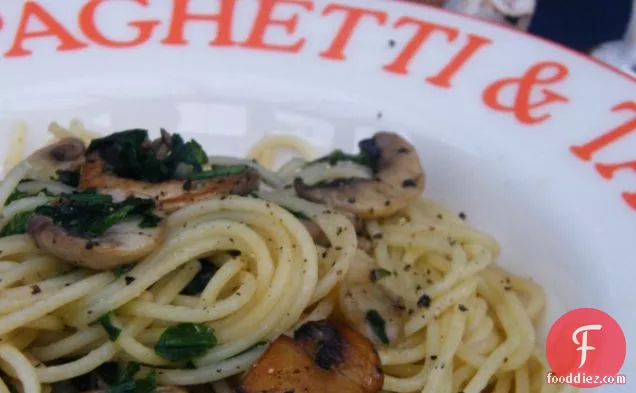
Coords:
pixel 583 344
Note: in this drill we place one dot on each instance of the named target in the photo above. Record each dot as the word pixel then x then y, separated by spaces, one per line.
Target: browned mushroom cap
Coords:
pixel 66 154
pixel 398 180
pixel 123 243
pixel 322 357
pixel 169 195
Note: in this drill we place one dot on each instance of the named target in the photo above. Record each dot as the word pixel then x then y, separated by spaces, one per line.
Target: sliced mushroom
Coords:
pixel 322 357
pixel 123 243
pixel 316 233
pixel 169 195
pixel 398 180
pixel 66 155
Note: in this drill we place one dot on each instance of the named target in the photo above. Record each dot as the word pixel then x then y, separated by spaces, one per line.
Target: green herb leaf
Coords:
pixel 201 280
pixel 190 153
pixel 108 372
pixel 129 372
pixel 16 225
pixel 149 221
pixel 134 137
pixel 127 384
pixel 363 158
pixel 378 325
pixel 185 342
pixel 88 198
pixel 131 155
pixel 378 274
pixel 148 384
pixel 70 178
pixel 369 155
pixel 97 228
pixel 89 214
pixel 112 330
pixel 16 195
pixel 336 156
pixel 219 171
pixel 122 269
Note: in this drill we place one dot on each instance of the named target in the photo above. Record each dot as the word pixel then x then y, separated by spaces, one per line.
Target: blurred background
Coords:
pixel 605 29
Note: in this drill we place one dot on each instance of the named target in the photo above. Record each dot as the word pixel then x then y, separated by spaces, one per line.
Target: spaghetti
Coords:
pixel 452 320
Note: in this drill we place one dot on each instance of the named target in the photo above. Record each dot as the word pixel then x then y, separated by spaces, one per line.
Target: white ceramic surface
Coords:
pixel 558 219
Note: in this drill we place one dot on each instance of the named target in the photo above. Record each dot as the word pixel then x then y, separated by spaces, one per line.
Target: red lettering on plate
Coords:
pixel 180 16
pixel 353 16
pixel 265 19
pixel 630 198
pixel 52 28
pixel 585 152
pixel 522 105
pixel 608 171
pixel 424 31
pixel 443 79
pixel 90 30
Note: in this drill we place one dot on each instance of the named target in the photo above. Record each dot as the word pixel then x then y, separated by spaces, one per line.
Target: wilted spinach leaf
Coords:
pixel 201 280
pixel 70 178
pixel 185 342
pixel 16 195
pixel 127 384
pixel 112 330
pixel 219 171
pixel 130 154
pixel 122 269
pixel 90 214
pixel 369 155
pixel 16 225
pixel 378 325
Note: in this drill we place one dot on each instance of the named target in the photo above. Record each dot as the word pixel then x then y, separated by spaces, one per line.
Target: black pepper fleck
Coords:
pixel 433 357
pixel 129 279
pixel 377 236
pixel 35 289
pixel 424 301
pixel 462 308
pixel 392 43
pixel 462 215
pixel 408 183
pixel 351 200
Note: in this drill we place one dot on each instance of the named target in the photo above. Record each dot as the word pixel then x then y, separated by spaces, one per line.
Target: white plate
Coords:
pixel 560 217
